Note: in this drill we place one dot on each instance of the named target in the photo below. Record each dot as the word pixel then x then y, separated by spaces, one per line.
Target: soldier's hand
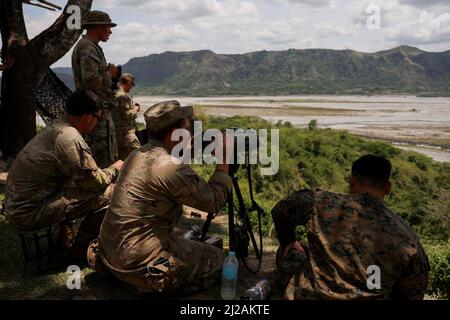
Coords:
pixel 118 165
pixel 114 71
pixel 9 61
pixel 295 246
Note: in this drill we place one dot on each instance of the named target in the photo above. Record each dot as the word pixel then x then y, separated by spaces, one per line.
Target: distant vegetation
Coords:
pixel 312 71
pixel 322 158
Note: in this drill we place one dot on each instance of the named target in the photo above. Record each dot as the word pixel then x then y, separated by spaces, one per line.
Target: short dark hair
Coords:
pixel 373 170
pixel 82 102
pixel 159 135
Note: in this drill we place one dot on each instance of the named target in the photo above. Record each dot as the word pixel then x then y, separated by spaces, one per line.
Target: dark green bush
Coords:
pixel 439 283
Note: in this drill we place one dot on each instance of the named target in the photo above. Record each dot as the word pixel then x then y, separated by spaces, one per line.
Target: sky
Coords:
pixel 231 26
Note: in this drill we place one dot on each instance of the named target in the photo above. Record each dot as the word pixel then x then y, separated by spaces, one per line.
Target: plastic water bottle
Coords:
pixel 229 277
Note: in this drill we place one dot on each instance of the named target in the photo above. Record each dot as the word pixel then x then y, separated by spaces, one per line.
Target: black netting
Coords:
pixel 51 97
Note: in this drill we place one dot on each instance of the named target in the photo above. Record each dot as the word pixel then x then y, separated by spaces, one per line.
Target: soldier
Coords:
pixel 137 243
pixel 55 180
pixel 357 247
pixel 125 117
pixel 91 72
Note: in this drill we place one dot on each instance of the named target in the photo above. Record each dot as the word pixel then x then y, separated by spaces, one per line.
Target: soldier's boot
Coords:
pixel 288 266
pixel 66 236
pixel 94 260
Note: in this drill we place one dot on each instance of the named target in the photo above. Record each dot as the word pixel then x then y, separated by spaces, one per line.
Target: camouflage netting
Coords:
pixel 51 97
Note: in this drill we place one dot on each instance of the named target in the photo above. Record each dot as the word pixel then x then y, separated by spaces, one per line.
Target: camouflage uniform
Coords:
pixel 137 241
pixel 124 119
pixel 55 179
pixel 91 71
pixel 346 235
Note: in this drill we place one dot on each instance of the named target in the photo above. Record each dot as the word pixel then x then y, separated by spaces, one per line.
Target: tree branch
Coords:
pixel 12 27
pixel 53 43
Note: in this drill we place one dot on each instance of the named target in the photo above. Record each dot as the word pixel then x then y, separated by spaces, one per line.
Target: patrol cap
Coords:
pixel 161 115
pixel 128 77
pixel 95 17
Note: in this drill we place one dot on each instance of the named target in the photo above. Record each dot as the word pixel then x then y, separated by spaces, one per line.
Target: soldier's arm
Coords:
pixel 91 70
pixel 187 188
pixel 291 212
pixel 74 158
pixel 91 177
pixel 413 283
pixel 125 105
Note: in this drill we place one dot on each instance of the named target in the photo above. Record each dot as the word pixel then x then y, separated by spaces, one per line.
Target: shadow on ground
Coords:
pixel 51 285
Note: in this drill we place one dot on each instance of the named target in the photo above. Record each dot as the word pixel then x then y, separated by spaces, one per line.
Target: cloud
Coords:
pixel 187 9
pixel 424 3
pixel 428 29
pixel 313 3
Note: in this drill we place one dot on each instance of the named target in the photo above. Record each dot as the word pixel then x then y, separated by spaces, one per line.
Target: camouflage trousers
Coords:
pixel 127 142
pixel 103 141
pixel 74 207
pixel 289 271
pixel 186 263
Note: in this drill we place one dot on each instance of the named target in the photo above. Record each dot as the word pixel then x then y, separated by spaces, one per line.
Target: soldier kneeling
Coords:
pixel 55 180
pixel 137 242
pixel 349 237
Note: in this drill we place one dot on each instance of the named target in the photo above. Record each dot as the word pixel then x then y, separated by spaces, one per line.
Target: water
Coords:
pixel 229 277
pixel 417 124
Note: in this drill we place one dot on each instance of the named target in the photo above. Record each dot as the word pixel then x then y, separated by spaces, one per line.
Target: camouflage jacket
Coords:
pixel 124 116
pixel 346 235
pixel 91 71
pixel 53 160
pixel 148 202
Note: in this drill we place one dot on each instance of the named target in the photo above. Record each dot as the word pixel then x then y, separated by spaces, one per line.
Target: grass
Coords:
pixel 299 111
pixel 309 159
pixel 299 101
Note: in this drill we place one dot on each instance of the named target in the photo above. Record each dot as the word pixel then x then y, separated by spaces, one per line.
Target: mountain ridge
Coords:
pixel 403 69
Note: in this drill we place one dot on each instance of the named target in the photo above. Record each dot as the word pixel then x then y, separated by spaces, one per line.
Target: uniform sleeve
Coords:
pixel 90 71
pixel 75 160
pixel 187 188
pixel 413 283
pixel 95 75
pixel 291 212
pixel 125 107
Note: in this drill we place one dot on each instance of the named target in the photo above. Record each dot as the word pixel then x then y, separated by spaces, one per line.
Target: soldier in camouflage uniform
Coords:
pixel 137 242
pixel 347 234
pixel 54 179
pixel 125 117
pixel 91 71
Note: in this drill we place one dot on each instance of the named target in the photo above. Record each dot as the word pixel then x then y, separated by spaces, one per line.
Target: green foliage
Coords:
pixel 312 125
pixel 322 159
pixel 439 282
pixel 39 129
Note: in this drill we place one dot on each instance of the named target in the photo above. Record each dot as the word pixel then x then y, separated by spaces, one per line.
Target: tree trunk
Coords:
pixel 31 61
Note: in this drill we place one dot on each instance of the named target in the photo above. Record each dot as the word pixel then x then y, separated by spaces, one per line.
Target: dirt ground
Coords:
pixel 51 285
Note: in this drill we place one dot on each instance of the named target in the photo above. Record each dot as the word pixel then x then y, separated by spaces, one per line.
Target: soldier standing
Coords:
pixel 91 71
pixel 125 117
pixel 137 242
pixel 357 247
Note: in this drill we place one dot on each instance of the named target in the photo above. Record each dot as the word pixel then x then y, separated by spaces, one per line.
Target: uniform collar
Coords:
pixel 157 143
pixel 96 44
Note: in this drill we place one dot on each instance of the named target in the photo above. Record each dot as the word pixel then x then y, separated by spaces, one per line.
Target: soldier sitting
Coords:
pixel 124 116
pixel 357 247
pixel 55 180
pixel 137 242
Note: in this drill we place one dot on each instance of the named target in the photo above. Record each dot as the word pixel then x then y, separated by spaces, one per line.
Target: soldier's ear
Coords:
pixel 388 188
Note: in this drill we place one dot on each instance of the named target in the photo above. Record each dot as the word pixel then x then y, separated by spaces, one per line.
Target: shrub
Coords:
pixel 439 282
